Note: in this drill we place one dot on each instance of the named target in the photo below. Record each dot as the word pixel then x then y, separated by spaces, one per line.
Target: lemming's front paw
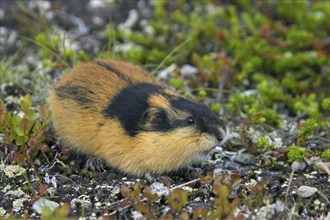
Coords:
pixel 95 164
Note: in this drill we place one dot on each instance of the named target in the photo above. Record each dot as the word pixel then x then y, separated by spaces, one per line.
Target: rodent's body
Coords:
pixel 115 111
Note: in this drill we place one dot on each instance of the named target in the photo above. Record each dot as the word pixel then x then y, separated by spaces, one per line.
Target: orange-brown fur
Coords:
pixel 148 152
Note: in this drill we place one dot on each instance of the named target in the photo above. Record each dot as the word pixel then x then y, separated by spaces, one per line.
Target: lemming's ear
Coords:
pixel 150 117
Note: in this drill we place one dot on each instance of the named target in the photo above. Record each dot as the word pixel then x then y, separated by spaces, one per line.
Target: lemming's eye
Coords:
pixel 190 120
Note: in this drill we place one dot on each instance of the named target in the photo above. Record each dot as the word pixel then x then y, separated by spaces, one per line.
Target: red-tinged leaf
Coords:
pixel 235 177
pixel 240 216
pixel 20 159
pixel 65 151
pixel 184 216
pixel 137 187
pixel 216 188
pixel 206 179
pixel 32 142
pixel 168 182
pixel 43 112
pixel 125 192
pixel 166 217
pixel 44 148
pixel 196 212
pixel 219 178
pixel 25 125
pixel 147 190
pixel 150 197
pixel 135 194
pixel 43 189
pixel 235 203
pixel 2 106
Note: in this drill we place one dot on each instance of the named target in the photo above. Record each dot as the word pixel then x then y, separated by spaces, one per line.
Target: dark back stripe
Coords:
pixel 79 94
pixel 114 70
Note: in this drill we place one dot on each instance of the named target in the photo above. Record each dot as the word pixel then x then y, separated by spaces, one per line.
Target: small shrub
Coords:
pixel 326 154
pixel 24 135
pixel 307 129
pixel 326 104
pixel 296 153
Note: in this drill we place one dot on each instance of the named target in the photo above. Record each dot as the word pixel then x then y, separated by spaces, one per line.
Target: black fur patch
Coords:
pixel 161 122
pixel 205 120
pixel 76 93
pixel 114 70
pixel 129 105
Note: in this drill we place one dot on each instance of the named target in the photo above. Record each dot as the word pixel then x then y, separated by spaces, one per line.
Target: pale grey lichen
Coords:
pixel 12 171
pixel 2 212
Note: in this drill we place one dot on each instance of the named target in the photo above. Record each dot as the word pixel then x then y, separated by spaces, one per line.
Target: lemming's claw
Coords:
pixel 226 136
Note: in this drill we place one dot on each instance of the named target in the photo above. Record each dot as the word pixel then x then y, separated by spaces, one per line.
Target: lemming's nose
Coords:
pixel 219 134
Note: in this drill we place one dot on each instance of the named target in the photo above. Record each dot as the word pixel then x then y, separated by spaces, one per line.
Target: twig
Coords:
pixel 326 199
pixel 176 49
pixel 288 189
pixel 221 85
pixel 43 46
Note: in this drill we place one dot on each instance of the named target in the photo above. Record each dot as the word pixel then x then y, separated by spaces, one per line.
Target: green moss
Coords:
pixel 326 154
pixel 215 107
pixel 202 94
pixel 326 104
pixel 296 153
pixel 307 105
pixel 176 83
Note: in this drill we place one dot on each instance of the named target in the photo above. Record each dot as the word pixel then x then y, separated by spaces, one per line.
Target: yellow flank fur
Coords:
pixel 89 131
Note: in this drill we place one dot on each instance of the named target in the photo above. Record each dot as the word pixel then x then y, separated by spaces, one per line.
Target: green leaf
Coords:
pixel 21 140
pixel 26 103
pixel 19 131
pixel 62 212
pixel 46 213
pixel 31 114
